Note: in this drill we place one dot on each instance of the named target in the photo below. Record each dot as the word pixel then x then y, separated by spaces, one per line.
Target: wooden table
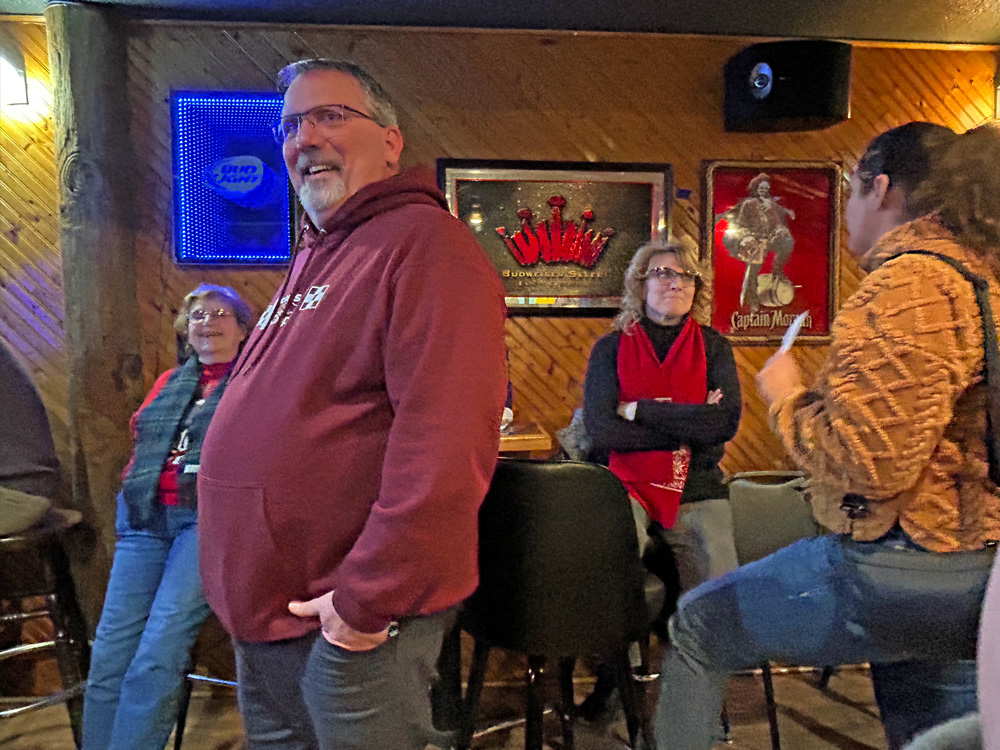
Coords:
pixel 524 439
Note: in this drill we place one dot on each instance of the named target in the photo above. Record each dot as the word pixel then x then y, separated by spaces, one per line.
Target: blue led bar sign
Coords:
pixel 232 203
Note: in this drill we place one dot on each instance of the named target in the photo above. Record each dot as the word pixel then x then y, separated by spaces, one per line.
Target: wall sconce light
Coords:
pixel 13 80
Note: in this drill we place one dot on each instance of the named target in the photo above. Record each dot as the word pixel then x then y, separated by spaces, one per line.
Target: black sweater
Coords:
pixel 658 425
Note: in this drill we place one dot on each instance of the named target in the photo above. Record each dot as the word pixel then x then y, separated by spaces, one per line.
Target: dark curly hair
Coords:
pixel 964 189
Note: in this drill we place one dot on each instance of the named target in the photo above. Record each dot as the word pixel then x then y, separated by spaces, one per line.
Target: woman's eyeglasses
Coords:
pixel 201 316
pixel 669 275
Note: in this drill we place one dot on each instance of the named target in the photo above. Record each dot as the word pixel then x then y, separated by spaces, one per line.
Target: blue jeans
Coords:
pixel 307 694
pixel 153 609
pixel 823 600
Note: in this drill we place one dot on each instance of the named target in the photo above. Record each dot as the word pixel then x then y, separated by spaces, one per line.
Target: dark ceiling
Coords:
pixel 942 21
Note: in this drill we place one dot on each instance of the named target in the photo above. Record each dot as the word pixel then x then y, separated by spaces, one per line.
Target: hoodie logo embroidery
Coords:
pixel 265 317
pixel 275 313
pixel 313 297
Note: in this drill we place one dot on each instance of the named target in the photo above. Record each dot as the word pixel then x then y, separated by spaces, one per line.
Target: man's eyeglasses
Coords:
pixel 201 316
pixel 662 273
pixel 324 118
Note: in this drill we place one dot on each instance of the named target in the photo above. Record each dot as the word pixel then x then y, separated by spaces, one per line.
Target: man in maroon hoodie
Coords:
pixel 342 475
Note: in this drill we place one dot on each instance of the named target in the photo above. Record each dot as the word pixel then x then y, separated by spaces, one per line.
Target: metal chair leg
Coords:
pixel 477 674
pixel 71 647
pixel 772 707
pixel 182 712
pixel 626 688
pixel 66 651
pixel 823 680
pixel 727 734
pixel 567 714
pixel 535 703
pixel 642 678
pixel 446 692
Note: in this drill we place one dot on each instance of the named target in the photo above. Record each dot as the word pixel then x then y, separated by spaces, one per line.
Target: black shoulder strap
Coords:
pixel 991 347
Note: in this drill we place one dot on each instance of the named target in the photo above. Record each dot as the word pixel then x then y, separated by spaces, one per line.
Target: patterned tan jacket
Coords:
pixel 897 414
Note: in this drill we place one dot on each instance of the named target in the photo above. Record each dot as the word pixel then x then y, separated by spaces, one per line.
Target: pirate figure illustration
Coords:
pixel 757 225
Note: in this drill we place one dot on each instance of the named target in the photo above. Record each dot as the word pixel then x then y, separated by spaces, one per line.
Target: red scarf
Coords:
pixel 656 478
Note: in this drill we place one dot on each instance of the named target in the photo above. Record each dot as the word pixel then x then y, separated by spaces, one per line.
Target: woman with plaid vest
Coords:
pixel 155 605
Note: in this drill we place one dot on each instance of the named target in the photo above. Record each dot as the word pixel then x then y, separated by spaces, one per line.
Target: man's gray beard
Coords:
pixel 318 199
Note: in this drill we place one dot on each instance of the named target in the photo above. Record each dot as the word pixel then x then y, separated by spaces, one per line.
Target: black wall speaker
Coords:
pixel 784 86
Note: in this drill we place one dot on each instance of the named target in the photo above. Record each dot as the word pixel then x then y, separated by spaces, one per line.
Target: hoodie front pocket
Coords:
pixel 241 563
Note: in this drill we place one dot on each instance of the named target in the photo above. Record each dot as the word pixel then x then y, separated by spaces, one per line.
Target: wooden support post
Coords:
pixel 87 58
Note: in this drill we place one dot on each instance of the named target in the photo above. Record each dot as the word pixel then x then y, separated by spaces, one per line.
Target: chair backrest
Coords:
pixel 770 511
pixel 558 561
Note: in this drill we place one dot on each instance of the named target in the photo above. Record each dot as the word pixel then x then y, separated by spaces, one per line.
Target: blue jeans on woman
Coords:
pixel 153 610
pixel 826 600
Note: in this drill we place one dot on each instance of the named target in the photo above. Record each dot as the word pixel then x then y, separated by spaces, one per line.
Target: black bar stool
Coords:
pixel 33 563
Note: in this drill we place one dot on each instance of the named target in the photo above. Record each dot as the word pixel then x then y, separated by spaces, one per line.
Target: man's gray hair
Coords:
pixel 376 99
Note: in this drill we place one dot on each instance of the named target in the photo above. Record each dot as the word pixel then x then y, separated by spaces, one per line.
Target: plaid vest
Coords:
pixel 157 428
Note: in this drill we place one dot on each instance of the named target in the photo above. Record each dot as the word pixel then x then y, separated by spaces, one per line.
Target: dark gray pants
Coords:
pixel 307 694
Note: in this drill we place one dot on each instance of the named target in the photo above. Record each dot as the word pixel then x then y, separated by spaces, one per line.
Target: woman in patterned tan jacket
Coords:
pixel 893 434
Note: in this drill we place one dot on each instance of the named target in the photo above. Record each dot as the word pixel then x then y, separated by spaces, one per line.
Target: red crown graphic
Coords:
pixel 555 240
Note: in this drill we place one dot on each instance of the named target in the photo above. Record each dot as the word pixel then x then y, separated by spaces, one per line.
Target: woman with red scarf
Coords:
pixel 661 399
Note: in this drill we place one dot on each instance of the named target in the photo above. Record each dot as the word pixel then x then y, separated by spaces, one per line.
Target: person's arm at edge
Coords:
pixel 988 662
pixel 27 451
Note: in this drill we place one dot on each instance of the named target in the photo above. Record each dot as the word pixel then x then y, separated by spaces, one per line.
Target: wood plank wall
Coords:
pixel 32 303
pixel 513 95
pixel 517 95
pixel 31 292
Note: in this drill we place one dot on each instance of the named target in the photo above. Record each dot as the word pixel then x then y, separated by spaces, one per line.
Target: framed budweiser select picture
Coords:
pixel 560 234
pixel 770 235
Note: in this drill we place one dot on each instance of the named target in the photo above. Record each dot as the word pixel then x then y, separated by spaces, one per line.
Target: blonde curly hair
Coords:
pixel 633 305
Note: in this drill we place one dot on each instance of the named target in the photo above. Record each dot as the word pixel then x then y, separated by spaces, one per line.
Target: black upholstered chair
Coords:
pixel 560 578
pixel 33 564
